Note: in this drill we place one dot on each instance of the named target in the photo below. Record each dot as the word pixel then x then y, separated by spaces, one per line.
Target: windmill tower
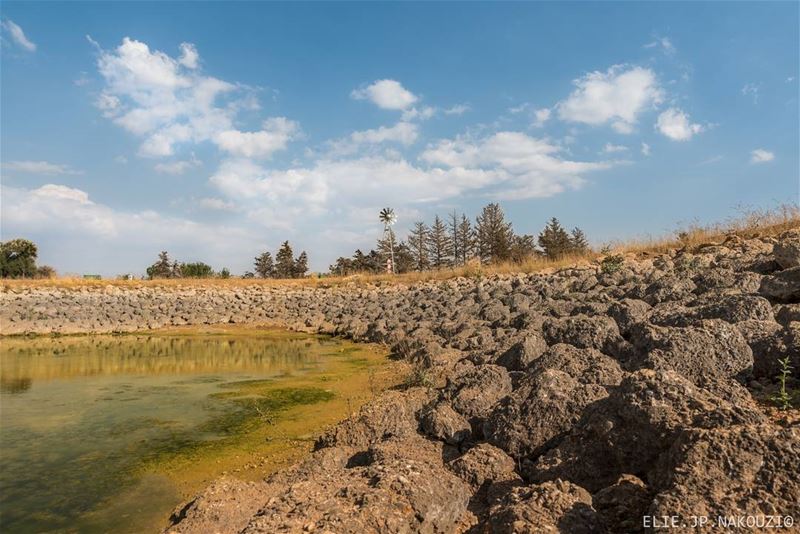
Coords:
pixel 388 218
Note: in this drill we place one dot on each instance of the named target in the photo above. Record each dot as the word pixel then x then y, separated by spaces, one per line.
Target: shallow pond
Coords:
pixel 110 433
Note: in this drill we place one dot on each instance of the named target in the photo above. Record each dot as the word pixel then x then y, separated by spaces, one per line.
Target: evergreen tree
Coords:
pixel 455 245
pixel 301 265
pixel 403 258
pixel 161 268
pixel 418 243
pixel 493 234
pixel 466 240
pixel 554 240
pixel 439 244
pixel 284 261
pixel 342 267
pixel 522 248
pixel 580 245
pixel 264 266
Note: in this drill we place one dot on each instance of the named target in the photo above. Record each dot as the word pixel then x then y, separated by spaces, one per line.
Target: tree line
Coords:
pixel 457 241
pixel 164 267
pixel 285 265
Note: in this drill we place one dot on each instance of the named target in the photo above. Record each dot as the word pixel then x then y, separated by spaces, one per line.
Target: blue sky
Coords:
pixel 217 130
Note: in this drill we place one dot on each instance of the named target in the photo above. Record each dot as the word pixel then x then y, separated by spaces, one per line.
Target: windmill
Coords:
pixel 388 218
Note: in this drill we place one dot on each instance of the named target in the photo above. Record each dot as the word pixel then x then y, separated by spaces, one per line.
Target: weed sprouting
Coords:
pixel 783 399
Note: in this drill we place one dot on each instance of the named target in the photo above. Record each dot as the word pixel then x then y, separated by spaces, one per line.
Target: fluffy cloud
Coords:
pixel 676 125
pixel 386 94
pixel 18 36
pixel 168 101
pixel 617 96
pixel 39 167
pixel 645 149
pixel 760 155
pixel 541 116
pixel 276 133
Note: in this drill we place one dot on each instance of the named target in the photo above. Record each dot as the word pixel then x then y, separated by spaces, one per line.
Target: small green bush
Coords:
pixel 612 264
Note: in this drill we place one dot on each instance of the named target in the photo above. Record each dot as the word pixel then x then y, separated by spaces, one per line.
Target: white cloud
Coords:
pixel 39 167
pixel 519 109
pixel 662 43
pixel 458 109
pixel 676 125
pixel 752 89
pixel 645 149
pixel 386 94
pixel 423 113
pixel 18 36
pixel 189 56
pixel 611 148
pixel 617 96
pixel 177 167
pixel 404 133
pixel 760 155
pixel 540 116
pixel 165 101
pixel 275 135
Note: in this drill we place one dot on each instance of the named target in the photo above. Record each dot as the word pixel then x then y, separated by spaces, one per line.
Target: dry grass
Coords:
pixel 747 224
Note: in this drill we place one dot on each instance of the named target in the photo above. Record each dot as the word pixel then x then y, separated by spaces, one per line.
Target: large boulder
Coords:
pixel 484 464
pixel 397 486
pixel 629 431
pixel 474 391
pixel 747 471
pixel 600 333
pixel 622 505
pixel 391 414
pixel 524 352
pixel 552 507
pixel 787 249
pixel 783 286
pixel 709 348
pixel 442 422
pixel 550 399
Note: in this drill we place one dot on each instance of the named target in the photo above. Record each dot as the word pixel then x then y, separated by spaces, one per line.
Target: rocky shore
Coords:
pixel 587 400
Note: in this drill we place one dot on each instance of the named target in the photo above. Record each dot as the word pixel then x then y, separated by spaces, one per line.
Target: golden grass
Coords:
pixel 746 224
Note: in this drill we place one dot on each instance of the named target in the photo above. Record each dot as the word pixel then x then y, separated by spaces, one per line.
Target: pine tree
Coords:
pixel 284 261
pixel 466 240
pixel 522 248
pixel 301 265
pixel 264 266
pixel 554 240
pixel 455 245
pixel 494 235
pixel 161 268
pixel 403 258
pixel 439 244
pixel 578 241
pixel 418 243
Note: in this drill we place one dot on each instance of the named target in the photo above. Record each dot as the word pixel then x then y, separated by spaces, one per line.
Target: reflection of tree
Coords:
pixel 51 358
pixel 15 385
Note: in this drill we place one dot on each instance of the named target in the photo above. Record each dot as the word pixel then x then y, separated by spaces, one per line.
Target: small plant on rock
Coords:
pixel 612 264
pixel 783 398
pixel 418 377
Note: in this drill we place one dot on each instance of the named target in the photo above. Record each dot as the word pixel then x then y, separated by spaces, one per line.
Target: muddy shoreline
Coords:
pixel 583 401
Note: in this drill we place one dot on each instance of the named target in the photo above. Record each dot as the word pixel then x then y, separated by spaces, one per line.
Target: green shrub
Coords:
pixel 612 264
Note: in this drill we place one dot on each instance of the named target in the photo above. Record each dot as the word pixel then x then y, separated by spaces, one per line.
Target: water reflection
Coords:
pixel 78 414
pixel 25 360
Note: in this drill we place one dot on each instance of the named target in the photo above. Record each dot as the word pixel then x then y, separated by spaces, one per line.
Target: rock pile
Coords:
pixel 577 401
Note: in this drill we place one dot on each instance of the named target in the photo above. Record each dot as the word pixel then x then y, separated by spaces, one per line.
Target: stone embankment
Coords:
pixel 587 400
